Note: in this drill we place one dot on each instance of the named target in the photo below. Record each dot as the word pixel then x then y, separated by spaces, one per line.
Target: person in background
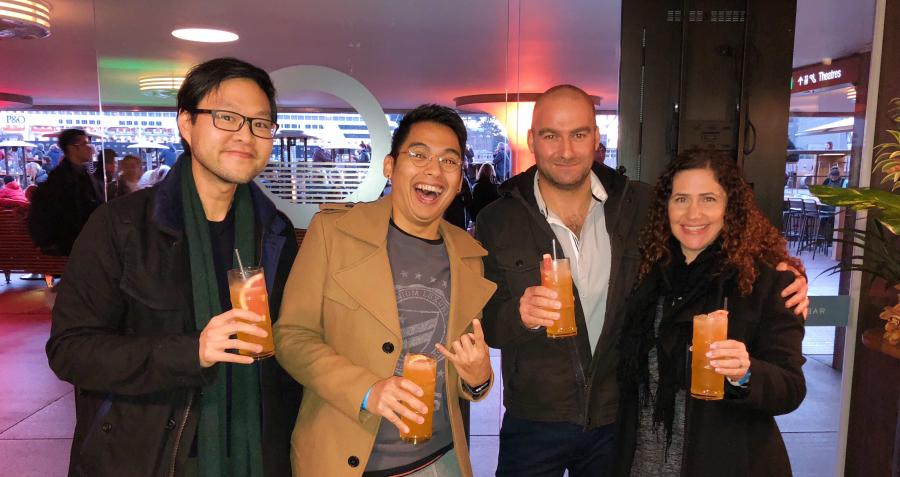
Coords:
pixel 600 154
pixel 35 173
pixel 105 177
pixel 485 191
pixel 11 191
pixel 834 178
pixel 61 205
pixel 458 212
pixel 501 162
pixel 127 178
pixel 153 176
pixel 707 247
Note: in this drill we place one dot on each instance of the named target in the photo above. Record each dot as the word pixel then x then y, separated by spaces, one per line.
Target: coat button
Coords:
pixel 170 424
pixel 388 347
pixel 519 263
pixel 106 427
pixel 353 461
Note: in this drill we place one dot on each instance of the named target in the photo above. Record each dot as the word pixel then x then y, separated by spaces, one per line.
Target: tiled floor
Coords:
pixel 36 410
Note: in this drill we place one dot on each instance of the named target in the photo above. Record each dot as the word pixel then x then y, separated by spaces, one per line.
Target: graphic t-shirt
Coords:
pixel 421 271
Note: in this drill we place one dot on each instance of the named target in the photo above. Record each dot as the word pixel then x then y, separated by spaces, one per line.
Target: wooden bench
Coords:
pixel 18 254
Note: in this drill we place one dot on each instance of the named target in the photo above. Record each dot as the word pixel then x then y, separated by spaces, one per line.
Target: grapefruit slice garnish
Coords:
pixel 256 281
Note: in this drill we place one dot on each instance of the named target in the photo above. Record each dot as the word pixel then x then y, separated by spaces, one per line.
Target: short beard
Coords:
pixel 563 186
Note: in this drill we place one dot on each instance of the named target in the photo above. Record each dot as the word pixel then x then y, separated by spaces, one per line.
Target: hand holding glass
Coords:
pixel 557 276
pixel 248 292
pixel 706 383
pixel 421 370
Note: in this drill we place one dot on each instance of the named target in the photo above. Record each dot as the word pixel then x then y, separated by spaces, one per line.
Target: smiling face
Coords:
pixel 227 157
pixel 420 195
pixel 696 210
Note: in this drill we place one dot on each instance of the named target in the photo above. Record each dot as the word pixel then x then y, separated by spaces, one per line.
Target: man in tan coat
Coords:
pixel 372 283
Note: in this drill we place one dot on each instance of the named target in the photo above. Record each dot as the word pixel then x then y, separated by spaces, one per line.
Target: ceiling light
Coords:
pixel 160 86
pixel 205 35
pixel 25 19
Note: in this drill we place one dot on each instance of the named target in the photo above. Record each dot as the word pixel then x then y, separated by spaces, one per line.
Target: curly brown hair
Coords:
pixel 747 235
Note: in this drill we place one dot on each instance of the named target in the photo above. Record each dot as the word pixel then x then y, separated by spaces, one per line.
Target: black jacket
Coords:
pixel 556 380
pixel 124 334
pixel 61 206
pixel 736 436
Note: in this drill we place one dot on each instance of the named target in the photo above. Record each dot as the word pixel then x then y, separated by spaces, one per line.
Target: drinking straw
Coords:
pixel 240 265
pixel 554 255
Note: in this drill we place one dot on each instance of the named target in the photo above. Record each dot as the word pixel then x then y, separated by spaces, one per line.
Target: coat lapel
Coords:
pixel 368 279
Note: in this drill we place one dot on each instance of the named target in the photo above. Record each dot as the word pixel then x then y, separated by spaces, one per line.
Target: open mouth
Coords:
pixel 428 193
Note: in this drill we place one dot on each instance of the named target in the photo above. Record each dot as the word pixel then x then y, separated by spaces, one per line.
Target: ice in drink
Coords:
pixel 421 370
pixel 556 275
pixel 248 292
pixel 706 383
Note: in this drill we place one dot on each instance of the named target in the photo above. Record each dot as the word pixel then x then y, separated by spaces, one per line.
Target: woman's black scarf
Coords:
pixel 667 288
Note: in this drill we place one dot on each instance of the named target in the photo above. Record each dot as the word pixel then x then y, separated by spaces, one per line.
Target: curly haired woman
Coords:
pixel 708 247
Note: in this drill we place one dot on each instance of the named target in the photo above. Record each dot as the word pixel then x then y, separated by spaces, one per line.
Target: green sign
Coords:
pixel 828 310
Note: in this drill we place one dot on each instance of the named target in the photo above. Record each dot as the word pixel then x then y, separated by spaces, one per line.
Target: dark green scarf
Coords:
pixel 243 458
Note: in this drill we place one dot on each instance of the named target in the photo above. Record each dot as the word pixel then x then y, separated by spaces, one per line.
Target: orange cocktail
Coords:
pixel 706 383
pixel 556 275
pixel 421 370
pixel 248 292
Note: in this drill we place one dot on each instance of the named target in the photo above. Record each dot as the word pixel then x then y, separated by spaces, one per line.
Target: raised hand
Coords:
pixel 469 354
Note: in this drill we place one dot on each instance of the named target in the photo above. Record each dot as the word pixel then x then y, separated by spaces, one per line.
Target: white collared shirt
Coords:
pixel 589 256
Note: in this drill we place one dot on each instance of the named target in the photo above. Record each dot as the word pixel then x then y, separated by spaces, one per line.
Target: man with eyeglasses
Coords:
pixel 143 325
pixel 61 206
pixel 372 284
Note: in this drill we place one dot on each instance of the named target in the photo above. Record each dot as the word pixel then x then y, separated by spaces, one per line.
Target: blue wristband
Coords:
pixel 744 380
pixel 365 400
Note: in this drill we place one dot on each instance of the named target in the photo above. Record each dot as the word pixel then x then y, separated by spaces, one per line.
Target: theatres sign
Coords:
pixel 840 71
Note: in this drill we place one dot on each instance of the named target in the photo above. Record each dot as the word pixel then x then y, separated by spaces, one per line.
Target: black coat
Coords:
pixel 556 380
pixel 483 194
pixel 736 436
pixel 124 334
pixel 61 206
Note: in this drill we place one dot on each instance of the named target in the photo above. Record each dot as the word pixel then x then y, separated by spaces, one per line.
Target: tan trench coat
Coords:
pixel 339 332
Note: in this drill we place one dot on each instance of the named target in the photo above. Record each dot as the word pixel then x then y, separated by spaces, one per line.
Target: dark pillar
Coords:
pixel 712 74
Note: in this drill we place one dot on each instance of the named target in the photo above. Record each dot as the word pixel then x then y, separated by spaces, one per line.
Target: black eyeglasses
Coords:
pixel 232 122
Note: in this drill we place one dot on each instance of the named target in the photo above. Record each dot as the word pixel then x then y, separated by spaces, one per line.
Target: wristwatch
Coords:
pixel 477 391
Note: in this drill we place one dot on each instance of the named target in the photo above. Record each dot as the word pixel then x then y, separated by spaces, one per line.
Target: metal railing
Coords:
pixel 313 182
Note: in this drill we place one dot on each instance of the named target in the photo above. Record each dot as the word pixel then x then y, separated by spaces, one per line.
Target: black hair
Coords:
pixel 434 113
pixel 68 137
pixel 207 76
pixel 8 179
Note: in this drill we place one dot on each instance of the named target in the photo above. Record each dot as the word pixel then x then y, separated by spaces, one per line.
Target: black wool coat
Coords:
pixel 736 436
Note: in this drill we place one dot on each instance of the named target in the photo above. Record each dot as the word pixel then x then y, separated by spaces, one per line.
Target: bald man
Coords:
pixel 560 395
